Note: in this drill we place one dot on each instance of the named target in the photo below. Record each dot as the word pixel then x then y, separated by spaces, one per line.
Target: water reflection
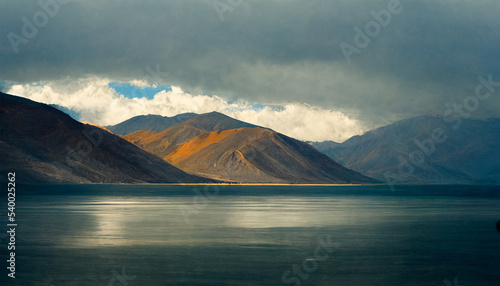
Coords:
pixel 159 221
pixel 277 212
pixel 250 240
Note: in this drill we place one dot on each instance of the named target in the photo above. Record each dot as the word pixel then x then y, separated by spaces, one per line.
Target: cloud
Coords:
pixel 268 51
pixel 304 122
pixel 95 101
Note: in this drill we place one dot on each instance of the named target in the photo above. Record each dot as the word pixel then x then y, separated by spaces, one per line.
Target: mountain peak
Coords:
pixel 258 155
pixel 217 146
pixel 47 146
pixel 150 122
pixel 215 121
pixel 383 151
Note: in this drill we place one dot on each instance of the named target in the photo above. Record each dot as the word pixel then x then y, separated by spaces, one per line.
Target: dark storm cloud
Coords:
pixel 270 51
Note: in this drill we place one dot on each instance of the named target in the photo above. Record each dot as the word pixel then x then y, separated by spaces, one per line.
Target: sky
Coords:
pixel 315 70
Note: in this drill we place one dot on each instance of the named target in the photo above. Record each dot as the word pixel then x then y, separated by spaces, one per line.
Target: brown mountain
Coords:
pixel 165 142
pixel 149 122
pixel 217 146
pixel 43 144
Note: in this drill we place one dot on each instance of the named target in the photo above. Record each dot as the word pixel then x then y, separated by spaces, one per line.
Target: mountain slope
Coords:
pixel 167 141
pixel 468 154
pixel 259 155
pixel 43 144
pixel 75 115
pixel 149 123
pixel 220 147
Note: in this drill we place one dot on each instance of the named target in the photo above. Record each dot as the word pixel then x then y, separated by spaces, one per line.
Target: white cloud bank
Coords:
pixel 100 104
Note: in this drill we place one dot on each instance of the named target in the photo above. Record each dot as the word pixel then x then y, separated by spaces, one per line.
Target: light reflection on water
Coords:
pixel 250 240
pixel 154 220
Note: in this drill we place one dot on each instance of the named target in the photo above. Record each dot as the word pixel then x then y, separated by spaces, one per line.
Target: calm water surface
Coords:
pixel 255 235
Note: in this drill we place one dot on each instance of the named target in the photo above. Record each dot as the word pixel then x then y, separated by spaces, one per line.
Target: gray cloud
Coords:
pixel 270 51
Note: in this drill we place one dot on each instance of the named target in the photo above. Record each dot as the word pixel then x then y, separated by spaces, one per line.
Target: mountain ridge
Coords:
pixel 164 142
pixel 218 146
pixel 392 152
pixel 45 145
pixel 150 122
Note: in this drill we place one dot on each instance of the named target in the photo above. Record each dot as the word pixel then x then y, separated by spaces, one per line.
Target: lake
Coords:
pixel 254 235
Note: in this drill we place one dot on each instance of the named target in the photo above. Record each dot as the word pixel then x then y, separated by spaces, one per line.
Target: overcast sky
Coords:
pixel 258 60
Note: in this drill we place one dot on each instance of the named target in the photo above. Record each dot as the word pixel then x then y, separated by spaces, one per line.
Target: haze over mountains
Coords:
pixel 409 152
pixel 43 144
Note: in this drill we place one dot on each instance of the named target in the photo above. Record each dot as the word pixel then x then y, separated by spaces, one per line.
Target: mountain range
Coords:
pixel 217 146
pixel 43 144
pixel 424 149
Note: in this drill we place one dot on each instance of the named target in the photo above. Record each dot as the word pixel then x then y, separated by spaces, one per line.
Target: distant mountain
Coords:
pixel 220 147
pixel 325 145
pixel 44 145
pixel 411 151
pixel 75 115
pixel 149 123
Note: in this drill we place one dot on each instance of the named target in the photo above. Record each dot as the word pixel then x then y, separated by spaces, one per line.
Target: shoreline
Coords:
pixel 254 184
pixel 263 184
pixel 207 184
